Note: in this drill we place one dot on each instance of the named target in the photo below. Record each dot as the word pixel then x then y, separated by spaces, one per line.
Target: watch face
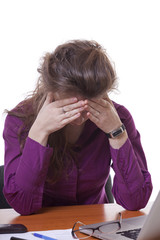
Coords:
pixel 117 133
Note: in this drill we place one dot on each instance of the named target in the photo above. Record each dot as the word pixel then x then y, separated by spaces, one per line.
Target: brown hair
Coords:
pixel 82 67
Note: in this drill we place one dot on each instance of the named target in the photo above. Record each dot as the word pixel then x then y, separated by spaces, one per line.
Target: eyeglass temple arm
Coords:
pixel 120 218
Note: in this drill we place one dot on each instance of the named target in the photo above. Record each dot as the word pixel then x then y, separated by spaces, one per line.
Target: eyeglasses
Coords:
pixel 80 230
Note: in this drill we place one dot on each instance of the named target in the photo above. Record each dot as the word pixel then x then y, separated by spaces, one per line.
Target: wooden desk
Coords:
pixel 64 217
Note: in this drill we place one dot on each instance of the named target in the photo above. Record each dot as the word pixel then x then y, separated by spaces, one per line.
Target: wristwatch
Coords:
pixel 115 133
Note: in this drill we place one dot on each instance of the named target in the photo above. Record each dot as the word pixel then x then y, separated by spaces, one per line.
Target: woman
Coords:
pixel 60 141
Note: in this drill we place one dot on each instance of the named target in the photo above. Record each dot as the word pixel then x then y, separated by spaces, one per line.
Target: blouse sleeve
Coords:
pixel 24 173
pixel 132 184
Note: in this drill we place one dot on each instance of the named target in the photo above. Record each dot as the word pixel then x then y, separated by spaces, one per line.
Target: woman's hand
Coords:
pixel 103 113
pixel 53 116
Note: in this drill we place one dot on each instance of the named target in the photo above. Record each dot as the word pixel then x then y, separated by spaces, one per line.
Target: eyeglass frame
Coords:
pixel 119 221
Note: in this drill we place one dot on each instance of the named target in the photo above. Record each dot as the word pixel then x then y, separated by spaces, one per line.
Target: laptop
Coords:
pixel 146 227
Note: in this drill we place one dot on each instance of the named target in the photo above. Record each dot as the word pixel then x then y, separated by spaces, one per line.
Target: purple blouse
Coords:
pixel 26 188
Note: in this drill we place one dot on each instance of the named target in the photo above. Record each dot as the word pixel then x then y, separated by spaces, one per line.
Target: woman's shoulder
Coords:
pixel 123 112
pixel 17 115
pixel 127 119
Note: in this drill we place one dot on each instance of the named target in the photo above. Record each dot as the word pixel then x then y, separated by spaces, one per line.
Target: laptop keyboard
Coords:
pixel 132 234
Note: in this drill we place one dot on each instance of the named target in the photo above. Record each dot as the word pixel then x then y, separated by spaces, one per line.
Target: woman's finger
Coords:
pixel 101 102
pixel 68 114
pixel 64 102
pixel 66 121
pixel 95 105
pixel 49 99
pixel 105 97
pixel 79 104
pixel 93 118
pixel 93 111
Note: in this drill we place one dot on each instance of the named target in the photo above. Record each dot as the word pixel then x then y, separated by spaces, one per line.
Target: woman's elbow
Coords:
pixel 135 201
pixel 23 206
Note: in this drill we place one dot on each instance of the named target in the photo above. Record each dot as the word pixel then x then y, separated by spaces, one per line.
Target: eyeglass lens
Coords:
pixel 81 231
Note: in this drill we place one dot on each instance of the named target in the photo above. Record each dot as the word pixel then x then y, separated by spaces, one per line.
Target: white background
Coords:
pixel 128 29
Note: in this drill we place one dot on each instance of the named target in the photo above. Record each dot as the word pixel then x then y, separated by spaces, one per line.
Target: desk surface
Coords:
pixel 64 217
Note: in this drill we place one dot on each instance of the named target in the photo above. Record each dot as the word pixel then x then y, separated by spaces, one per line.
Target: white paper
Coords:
pixel 57 234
